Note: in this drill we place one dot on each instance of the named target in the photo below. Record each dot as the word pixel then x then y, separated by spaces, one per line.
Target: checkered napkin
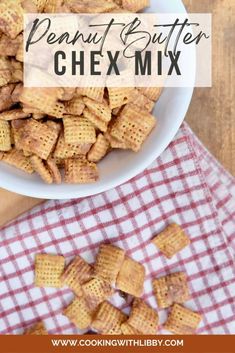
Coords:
pixel 185 185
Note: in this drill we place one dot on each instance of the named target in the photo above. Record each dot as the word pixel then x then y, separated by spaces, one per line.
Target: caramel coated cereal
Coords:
pixel 48 270
pixel 75 274
pixel 78 130
pixel 108 262
pixel 92 6
pixel 17 159
pixel 135 5
pixel 11 18
pixel 129 330
pixel 80 171
pixel 5 136
pixel 96 291
pixel 133 126
pixel 182 321
pixel 41 168
pixel 131 277
pixel 171 289
pixel 143 318
pixel 171 240
pixel 38 329
pixel 108 319
pixel 79 313
pixel 99 149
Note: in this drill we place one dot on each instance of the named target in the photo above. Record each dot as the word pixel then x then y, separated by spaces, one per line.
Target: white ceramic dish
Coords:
pixel 118 166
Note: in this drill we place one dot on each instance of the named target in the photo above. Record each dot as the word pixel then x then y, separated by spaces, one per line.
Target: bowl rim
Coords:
pixel 49 192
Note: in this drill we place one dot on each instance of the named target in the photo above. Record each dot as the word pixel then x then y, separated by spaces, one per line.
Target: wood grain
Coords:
pixel 12 205
pixel 212 111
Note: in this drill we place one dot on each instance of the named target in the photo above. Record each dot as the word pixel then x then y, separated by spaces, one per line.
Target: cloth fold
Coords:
pixel 185 185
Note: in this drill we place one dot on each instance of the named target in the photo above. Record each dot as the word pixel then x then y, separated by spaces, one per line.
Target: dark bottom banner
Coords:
pixel 96 344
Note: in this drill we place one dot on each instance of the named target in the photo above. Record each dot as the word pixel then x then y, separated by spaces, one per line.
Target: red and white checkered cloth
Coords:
pixel 185 185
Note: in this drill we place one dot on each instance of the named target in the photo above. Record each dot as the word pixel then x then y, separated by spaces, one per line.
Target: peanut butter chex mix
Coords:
pixel 133 126
pixel 38 329
pixel 108 262
pixel 108 319
pixel 131 277
pixel 143 318
pixel 171 240
pixel 96 291
pixel 75 274
pixel 171 289
pixel 48 270
pixel 79 313
pixel 91 120
pixel 182 321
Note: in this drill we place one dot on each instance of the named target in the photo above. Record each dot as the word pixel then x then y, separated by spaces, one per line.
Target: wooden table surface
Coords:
pixel 212 111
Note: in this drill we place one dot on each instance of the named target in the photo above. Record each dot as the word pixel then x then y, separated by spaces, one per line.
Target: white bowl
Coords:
pixel 118 166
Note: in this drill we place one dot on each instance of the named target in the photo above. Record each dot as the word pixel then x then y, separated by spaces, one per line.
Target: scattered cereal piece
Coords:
pixel 108 262
pixel 40 4
pixel 40 167
pixel 130 279
pixel 38 329
pixel 152 93
pixel 11 18
pixel 38 138
pixel 133 126
pixel 171 289
pixel 97 122
pixel 101 111
pixel 48 270
pixel 43 99
pixel 20 52
pixel 29 6
pixel 10 46
pixel 95 93
pixel 119 96
pixel 182 321
pixel 171 240
pixel 65 150
pixel 79 313
pixel 13 115
pixel 143 318
pixel 5 70
pixel 96 291
pixel 108 319
pixel 78 130
pixel 142 101
pixel 68 93
pixel 99 149
pixel 17 71
pixel 75 106
pixel 5 136
pixel 54 170
pixel 75 274
pixel 6 98
pixel 135 5
pixel 52 6
pixel 129 330
pixel 17 159
pixel 91 6
pixel 114 142
pixel 80 171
